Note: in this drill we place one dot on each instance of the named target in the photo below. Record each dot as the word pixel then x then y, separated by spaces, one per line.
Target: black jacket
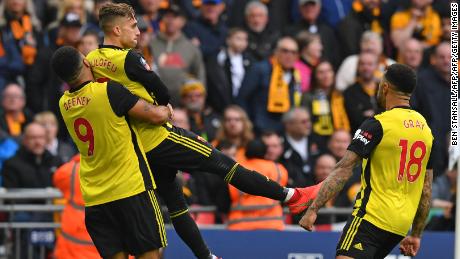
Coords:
pixel 24 170
pixel 300 172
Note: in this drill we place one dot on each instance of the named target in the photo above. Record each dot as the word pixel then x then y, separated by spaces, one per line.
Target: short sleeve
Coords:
pixel 399 20
pixel 366 137
pixel 121 99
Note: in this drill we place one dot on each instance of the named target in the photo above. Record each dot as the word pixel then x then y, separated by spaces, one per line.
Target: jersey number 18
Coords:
pixel 413 159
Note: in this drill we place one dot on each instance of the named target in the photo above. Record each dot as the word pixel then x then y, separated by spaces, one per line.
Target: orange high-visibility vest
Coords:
pixel 249 212
pixel 74 240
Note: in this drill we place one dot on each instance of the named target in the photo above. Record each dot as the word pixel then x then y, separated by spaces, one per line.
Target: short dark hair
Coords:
pixel 235 30
pixel 256 149
pixel 110 11
pixel 402 77
pixel 66 63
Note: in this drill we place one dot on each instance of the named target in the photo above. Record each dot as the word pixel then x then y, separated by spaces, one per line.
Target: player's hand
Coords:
pixel 308 220
pixel 410 245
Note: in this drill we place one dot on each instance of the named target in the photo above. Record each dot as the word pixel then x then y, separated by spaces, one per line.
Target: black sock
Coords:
pixel 188 231
pixel 254 183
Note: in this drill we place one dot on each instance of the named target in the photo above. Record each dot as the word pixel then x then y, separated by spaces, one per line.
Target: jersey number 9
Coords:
pixel 413 159
pixel 87 135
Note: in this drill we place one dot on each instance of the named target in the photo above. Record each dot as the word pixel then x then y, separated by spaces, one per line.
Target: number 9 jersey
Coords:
pixel 395 146
pixel 113 164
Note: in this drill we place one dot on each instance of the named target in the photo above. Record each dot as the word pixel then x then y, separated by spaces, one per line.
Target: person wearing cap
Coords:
pixel 208 31
pixel 203 120
pixel 310 11
pixel 175 56
pixel 44 88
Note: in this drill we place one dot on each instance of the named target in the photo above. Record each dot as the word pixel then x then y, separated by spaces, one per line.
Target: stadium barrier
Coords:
pixel 294 243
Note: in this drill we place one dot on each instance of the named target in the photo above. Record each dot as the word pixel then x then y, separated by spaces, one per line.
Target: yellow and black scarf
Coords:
pixel 279 100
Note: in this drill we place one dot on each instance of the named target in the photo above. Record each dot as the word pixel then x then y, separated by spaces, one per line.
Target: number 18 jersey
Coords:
pixel 113 164
pixel 395 146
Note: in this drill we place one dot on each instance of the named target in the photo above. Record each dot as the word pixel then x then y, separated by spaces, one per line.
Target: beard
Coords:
pixel 381 101
pixel 194 107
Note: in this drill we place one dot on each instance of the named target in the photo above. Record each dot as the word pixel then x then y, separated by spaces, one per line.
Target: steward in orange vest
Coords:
pixel 74 240
pixel 249 212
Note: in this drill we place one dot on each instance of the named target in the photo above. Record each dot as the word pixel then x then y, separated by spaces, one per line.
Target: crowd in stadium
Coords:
pixel 264 81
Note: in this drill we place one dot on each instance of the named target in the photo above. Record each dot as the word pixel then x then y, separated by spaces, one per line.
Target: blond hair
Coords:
pixel 110 11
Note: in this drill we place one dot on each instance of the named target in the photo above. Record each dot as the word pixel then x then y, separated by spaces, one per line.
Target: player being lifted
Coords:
pixel 170 148
pixel 122 214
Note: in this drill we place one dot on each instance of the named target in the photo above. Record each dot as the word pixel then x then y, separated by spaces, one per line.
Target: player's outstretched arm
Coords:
pixel 411 244
pixel 331 186
pixel 148 112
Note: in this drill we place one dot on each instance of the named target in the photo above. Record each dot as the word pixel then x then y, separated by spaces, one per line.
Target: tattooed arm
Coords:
pixel 148 112
pixel 424 206
pixel 410 245
pixel 331 186
pixel 336 180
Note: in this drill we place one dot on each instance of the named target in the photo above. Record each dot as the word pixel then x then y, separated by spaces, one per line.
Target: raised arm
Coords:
pixel 138 70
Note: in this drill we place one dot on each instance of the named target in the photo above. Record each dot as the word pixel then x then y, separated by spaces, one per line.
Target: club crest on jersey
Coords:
pixel 145 64
pixel 363 136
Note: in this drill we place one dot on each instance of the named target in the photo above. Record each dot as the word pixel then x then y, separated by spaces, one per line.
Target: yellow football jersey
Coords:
pixel 396 147
pixel 113 164
pixel 110 63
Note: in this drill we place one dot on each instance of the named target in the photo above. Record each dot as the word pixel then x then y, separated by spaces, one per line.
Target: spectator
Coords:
pixel 269 213
pixel 371 42
pixel 227 71
pixel 236 128
pixel 300 148
pixel 93 18
pixel 11 64
pixel 145 39
pixel 88 42
pixel 180 119
pixel 432 99
pixel 325 103
pixel 150 9
pixel 53 145
pixel 311 51
pixel 419 21
pixel 323 167
pixel 365 15
pixel 338 144
pixel 411 53
pixel 14 116
pixel 44 88
pixel 74 241
pixel 310 11
pixel 18 23
pixel 261 38
pixel 208 31
pixel 176 57
pixel 360 98
pixel 274 145
pixel 332 12
pixel 203 120
pixel 444 189
pixel 74 12
pixel 272 87
pixel 8 147
pixel 32 166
